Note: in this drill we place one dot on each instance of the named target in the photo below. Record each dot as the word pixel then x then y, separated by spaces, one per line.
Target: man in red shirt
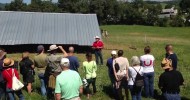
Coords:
pixel 97 47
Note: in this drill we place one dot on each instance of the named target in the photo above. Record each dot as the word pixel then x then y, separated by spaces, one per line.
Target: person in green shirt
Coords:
pixel 90 69
pixel 40 64
pixel 68 83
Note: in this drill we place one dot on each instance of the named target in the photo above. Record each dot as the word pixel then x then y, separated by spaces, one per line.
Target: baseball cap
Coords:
pixel 40 48
pixel 113 52
pixel 65 62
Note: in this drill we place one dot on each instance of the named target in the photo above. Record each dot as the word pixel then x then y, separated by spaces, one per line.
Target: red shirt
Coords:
pixel 8 74
pixel 98 45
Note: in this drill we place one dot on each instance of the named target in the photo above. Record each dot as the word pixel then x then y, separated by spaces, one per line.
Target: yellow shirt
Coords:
pixel 90 69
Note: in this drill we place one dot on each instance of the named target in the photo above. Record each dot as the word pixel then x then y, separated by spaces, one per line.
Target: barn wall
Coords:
pixel 33 47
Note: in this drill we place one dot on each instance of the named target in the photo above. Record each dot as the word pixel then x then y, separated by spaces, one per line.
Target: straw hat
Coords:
pixel 7 62
pixel 166 63
pixel 52 47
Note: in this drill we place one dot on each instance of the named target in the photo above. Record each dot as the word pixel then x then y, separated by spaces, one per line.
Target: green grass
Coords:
pixel 124 37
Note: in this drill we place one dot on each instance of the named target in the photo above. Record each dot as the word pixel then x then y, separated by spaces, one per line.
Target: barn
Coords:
pixel 23 31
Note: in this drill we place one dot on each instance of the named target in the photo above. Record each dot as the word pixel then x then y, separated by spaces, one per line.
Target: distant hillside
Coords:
pixel 2 6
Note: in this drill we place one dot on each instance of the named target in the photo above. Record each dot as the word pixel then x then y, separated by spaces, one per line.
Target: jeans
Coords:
pixel 149 84
pixel 136 95
pixel 98 54
pixel 93 82
pixel 169 96
pixel 11 94
pixel 43 83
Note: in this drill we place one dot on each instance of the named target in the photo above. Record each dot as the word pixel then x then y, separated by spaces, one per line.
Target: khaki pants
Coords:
pixel 51 82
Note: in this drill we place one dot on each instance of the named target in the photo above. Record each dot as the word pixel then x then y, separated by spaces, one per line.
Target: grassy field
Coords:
pixel 127 37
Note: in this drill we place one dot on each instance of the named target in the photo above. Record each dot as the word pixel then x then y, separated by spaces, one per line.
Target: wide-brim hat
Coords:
pixel 166 63
pixel 7 62
pixel 53 47
pixel 97 37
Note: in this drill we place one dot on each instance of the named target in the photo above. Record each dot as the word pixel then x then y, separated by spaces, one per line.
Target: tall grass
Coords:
pixel 125 37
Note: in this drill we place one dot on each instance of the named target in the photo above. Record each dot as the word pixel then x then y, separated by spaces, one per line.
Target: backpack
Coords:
pixel 53 65
pixel 139 81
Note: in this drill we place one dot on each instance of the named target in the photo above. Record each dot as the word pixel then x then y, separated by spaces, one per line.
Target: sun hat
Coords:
pixel 65 62
pixel 40 48
pixel 52 47
pixel 97 37
pixel 7 62
pixel 166 63
pixel 113 52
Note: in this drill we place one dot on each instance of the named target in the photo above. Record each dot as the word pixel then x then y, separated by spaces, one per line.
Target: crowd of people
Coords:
pixel 60 79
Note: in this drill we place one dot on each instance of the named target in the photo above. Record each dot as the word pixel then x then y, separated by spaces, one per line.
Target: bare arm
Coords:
pixel 127 66
pixel 81 89
pixel 127 75
pixel 58 96
pixel 64 52
pixel 32 66
pixel 115 71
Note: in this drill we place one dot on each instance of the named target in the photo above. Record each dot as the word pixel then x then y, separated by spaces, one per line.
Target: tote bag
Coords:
pixel 16 84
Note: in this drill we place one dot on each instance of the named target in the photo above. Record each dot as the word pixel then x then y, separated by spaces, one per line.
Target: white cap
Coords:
pixel 52 47
pixel 65 62
pixel 97 37
pixel 113 52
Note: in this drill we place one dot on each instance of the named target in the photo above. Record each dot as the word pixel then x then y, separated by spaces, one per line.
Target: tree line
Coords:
pixel 137 12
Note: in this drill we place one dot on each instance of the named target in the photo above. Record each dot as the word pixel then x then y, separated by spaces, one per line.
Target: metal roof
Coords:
pixel 47 28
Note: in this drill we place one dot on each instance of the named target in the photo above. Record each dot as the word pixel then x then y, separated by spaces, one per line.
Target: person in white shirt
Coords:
pixel 147 61
pixel 121 75
pixel 132 73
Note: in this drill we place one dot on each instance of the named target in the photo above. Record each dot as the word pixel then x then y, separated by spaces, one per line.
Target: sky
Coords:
pixel 28 1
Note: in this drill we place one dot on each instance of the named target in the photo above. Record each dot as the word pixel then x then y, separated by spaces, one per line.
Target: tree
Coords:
pixel 16 5
pixel 185 5
pixel 35 6
pixel 177 21
pixel 83 6
pixel 168 6
pixel 97 7
pixel 48 6
pixel 152 15
pixel 69 5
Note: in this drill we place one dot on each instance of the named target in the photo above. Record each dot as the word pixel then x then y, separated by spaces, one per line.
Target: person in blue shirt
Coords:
pixel 171 55
pixel 74 63
pixel 110 70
